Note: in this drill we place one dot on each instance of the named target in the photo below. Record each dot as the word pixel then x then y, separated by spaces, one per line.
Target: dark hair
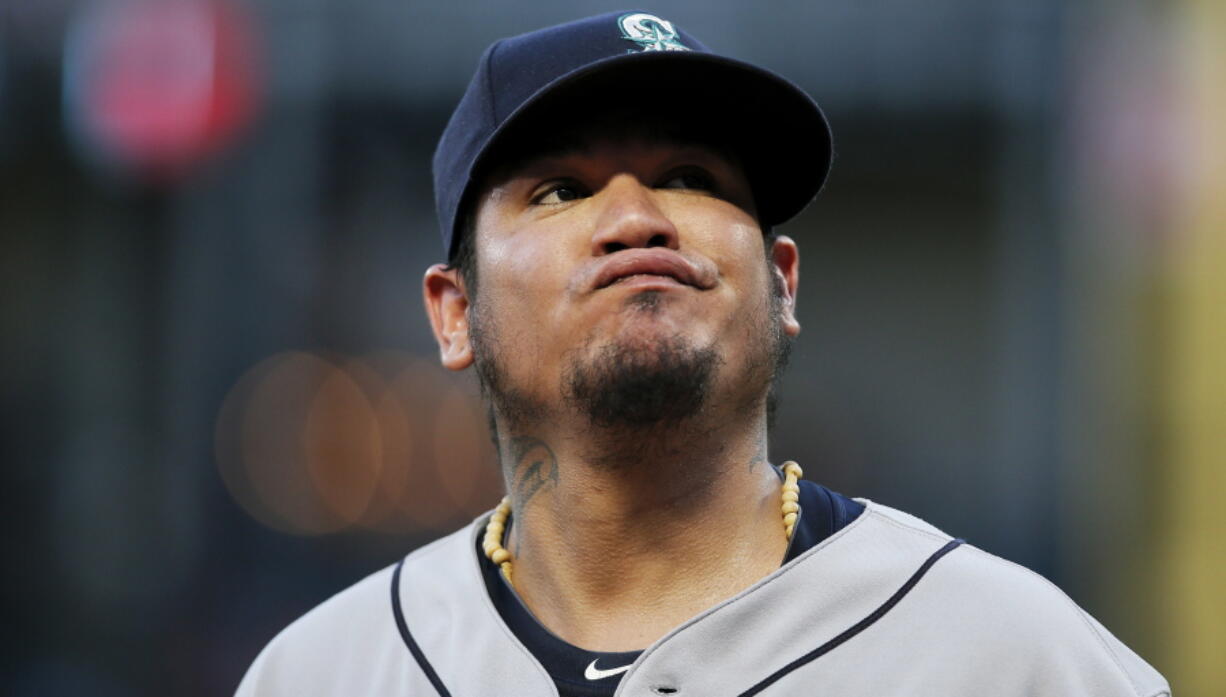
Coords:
pixel 464 259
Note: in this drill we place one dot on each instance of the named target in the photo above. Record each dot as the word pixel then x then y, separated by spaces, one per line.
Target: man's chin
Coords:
pixel 641 380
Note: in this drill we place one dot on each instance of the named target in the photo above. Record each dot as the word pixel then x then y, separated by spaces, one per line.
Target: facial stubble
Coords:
pixel 640 382
pixel 636 383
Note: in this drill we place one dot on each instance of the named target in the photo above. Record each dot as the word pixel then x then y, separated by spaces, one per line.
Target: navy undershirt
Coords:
pixel 822 513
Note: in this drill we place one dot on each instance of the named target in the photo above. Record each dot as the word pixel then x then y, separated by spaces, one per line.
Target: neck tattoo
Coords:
pixel 496 528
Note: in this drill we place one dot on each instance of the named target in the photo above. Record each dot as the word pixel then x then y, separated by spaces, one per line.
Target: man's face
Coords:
pixel 629 279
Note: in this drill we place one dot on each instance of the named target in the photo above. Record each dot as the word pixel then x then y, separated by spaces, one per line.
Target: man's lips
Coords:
pixel 651 262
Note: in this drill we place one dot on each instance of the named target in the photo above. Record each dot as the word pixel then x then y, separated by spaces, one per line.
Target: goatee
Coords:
pixel 635 385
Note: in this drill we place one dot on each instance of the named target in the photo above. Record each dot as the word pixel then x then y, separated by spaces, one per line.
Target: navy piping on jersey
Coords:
pixel 408 636
pixel 822 513
pixel 859 626
pixel 563 661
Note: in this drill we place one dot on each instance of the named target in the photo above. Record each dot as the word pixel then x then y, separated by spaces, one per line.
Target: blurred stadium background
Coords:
pixel 221 402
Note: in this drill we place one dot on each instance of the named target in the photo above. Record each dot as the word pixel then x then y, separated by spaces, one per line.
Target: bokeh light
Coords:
pixel 462 451
pixel 427 487
pixel 261 448
pixel 308 445
pixel 343 447
pixel 156 86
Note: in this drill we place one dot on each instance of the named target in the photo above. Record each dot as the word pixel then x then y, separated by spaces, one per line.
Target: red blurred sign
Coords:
pixel 158 85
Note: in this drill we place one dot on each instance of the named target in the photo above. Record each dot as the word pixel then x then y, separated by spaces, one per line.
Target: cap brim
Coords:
pixel 775 128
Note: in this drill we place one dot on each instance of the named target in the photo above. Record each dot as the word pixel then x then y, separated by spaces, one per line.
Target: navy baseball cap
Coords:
pixel 776 130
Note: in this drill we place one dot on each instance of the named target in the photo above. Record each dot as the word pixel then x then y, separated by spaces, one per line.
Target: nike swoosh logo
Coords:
pixel 594 673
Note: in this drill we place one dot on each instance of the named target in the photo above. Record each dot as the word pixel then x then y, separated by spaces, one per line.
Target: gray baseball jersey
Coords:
pixel 889 605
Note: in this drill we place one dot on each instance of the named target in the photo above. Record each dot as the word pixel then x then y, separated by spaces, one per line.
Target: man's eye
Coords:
pixel 689 180
pixel 559 192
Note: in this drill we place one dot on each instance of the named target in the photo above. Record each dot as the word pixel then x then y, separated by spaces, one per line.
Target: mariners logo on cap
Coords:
pixel 650 32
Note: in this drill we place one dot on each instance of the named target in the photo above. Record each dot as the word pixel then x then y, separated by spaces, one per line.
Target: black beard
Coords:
pixel 510 403
pixel 642 385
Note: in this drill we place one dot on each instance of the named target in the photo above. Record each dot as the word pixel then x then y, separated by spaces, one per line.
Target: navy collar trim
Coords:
pixel 823 512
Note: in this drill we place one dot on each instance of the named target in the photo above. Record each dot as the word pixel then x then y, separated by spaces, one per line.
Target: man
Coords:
pixel 607 190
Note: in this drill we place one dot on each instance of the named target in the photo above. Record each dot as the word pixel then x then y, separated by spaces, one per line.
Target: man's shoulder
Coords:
pixel 986 581
pixel 354 628
pixel 902 521
pixel 1032 612
pixel 369 601
pixel 1002 608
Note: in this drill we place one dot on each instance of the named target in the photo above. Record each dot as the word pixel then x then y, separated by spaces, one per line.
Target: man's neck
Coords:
pixel 610 552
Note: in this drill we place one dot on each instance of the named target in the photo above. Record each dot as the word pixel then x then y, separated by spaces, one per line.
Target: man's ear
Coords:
pixel 447 307
pixel 785 264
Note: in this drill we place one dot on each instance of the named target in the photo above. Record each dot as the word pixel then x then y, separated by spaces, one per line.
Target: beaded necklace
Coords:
pixel 496 528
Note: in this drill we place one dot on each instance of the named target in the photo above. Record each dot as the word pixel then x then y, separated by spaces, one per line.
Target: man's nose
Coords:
pixel 630 218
